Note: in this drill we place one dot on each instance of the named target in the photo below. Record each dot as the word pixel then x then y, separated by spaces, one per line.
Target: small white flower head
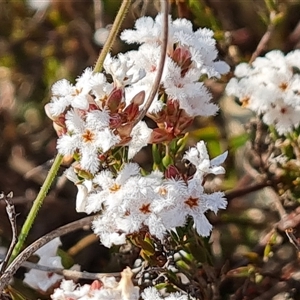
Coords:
pixel 89 136
pixel 146 30
pixel 66 94
pixel 190 200
pixel 123 69
pixel 110 188
pixel 199 157
pixel 270 87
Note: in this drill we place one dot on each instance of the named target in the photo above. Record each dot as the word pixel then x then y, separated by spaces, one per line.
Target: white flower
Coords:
pixel 147 31
pixel 65 94
pixel 199 157
pixel 100 88
pixel 128 203
pixel 285 117
pixel 140 136
pixel 107 228
pixel 181 74
pixel 122 69
pixel 89 136
pixel 195 203
pixel 250 93
pixel 200 43
pixel 110 190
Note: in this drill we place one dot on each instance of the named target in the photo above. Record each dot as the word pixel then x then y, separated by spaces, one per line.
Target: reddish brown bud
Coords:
pixel 182 57
pixel 114 100
pixel 131 111
pixel 172 172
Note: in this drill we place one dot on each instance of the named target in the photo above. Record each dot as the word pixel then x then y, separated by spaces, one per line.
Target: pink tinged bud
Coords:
pixel 139 98
pixel 48 113
pixel 96 285
pixel 93 106
pixel 172 172
pixel 172 108
pixel 132 110
pixel 124 132
pixel 182 124
pixel 182 57
pixel 114 100
pixel 59 129
pixel 160 135
pixel 115 120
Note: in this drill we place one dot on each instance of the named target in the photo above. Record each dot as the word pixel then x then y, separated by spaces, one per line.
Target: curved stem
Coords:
pixel 113 34
pixel 27 252
pixel 156 83
pixel 36 206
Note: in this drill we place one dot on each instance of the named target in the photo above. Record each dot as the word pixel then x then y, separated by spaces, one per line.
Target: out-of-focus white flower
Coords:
pixel 151 293
pixel 38 4
pixel 271 88
pixel 101 35
pixel 42 280
pixel 108 289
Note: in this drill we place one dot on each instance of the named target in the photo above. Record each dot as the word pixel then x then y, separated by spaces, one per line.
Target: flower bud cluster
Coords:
pixel 270 87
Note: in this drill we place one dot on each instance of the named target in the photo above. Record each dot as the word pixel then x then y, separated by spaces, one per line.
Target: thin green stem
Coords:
pixel 36 206
pixel 112 35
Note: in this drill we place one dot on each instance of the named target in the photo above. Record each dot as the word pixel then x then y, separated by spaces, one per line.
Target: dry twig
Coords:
pixel 27 252
pixel 11 213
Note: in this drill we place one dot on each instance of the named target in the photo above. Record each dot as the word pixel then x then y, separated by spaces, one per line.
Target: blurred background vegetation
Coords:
pixel 44 41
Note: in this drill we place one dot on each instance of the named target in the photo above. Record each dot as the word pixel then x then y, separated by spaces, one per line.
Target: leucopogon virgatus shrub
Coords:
pixel 94 119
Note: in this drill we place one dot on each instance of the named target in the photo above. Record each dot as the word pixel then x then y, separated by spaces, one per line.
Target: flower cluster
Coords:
pixel 270 86
pixel 96 123
pixel 95 115
pixel 190 55
pixel 130 202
